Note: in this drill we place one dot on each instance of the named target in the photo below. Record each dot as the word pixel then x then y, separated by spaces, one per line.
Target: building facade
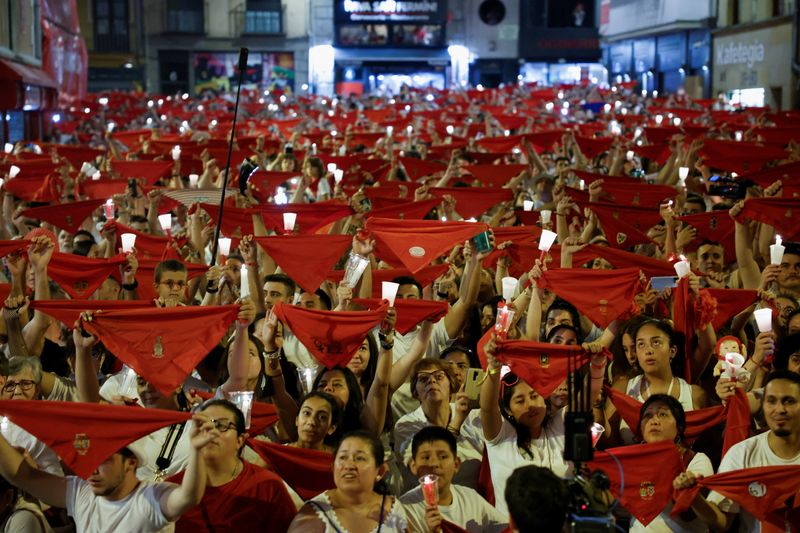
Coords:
pixel 755 61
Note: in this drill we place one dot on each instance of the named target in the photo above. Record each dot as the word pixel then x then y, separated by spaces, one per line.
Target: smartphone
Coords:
pixel 481 242
pixel 659 283
pixel 473 381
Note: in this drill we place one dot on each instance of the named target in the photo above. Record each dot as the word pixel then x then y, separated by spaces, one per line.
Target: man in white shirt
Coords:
pixel 113 498
pixel 780 446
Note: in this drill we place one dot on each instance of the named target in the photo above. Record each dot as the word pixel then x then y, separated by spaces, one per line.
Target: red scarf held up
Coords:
pixel 419 168
pixel 542 366
pixel 9 247
pixel 691 312
pixel 147 245
pixel 648 470
pixel 404 210
pixel 493 175
pixel 150 171
pixel 621 259
pixel 308 472
pixel 262 414
pixel 80 276
pixel 730 302
pixel 310 217
pixel 410 312
pixel 418 242
pixel 69 216
pixel 146 272
pixel 306 258
pixel 68 311
pixel 332 336
pixel 624 226
pixel 780 213
pixel 601 295
pixel 735 414
pixel 760 491
pixel 715 226
pixel 163 345
pixel 83 434
pixel 425 277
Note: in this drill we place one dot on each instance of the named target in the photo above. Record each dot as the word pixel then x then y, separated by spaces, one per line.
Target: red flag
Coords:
pixel 648 471
pixel 410 312
pixel 542 366
pixel 306 258
pixel 83 434
pixel 332 336
pixel 80 276
pixel 601 295
pixel 760 491
pixel 163 345
pixel 417 243
pixel 69 216
pixel 308 472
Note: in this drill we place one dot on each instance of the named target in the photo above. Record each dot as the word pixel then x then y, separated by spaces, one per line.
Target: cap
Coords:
pixel 306 258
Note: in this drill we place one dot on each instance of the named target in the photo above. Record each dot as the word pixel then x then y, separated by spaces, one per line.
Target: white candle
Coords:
pixel 409 129
pixel 331 167
pixel 659 119
pixel 338 175
pixel 244 285
pixel 289 220
pixel 13 171
pixel 763 319
pixel 450 129
pixel 546 240
pixel 176 153
pixel 193 179
pixel 629 155
pixel 527 205
pixel 545 215
pixel 509 288
pixel 128 242
pixel 165 221
pixel 682 268
pixel 389 291
pixel 776 251
pixel 738 136
pixel 389 130
pixel 9 147
pixel 224 246
pixel 96 175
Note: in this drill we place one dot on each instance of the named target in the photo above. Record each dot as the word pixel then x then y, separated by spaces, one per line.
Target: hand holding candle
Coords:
pixel 682 268
pixel 430 489
pixel 776 251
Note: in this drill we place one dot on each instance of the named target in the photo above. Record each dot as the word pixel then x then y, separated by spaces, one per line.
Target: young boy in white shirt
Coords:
pixel 434 451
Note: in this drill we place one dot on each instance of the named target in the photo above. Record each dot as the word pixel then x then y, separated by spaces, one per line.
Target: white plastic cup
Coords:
pixel 683 173
pixel 9 147
pixel 596 430
pixel 546 240
pixel 243 399
pixel 13 171
pixel 389 291
pixel 165 221
pixel 629 155
pixel 96 176
pixel 527 205
pixel 509 288
pixel 545 215
pixel 776 251
pixel 128 242
pixel 289 220
pixel 682 268
pixel 127 386
pixel 193 179
pixel 353 269
pixel 338 175
pixel 224 246
pixel 331 167
pixel 176 153
pixel 306 375
pixel 763 319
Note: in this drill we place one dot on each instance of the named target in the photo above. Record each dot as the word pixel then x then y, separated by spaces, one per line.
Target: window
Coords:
pixel 111 26
pixel 185 16
pixel 263 16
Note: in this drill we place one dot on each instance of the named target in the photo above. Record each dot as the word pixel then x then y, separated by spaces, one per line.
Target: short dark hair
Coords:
pixel 784 373
pixel 282 278
pixel 787 347
pixel 376 446
pixel 559 327
pixel 433 434
pixel 408 280
pixel 238 416
pixel 675 407
pixel 336 411
pixel 537 500
pixel 563 305
pixel 169 265
pixel 694 198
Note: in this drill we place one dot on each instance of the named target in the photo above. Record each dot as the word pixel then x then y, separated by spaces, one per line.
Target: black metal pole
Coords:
pixel 242 67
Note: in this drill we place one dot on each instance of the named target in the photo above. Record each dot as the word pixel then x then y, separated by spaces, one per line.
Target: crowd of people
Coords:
pixel 417 313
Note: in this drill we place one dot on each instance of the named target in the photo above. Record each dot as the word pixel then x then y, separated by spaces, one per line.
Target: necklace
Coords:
pixel 647 387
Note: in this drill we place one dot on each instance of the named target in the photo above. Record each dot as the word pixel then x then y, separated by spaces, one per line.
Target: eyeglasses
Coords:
pixel 423 378
pixel 24 384
pixel 223 425
pixel 173 284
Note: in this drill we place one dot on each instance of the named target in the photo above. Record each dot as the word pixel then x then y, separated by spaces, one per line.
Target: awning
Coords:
pixel 13 71
pixel 437 55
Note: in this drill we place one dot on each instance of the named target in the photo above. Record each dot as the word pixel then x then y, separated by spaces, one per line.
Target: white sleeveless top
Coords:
pixel 634 389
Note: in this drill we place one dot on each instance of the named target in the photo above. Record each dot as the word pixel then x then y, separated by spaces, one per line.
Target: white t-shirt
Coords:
pixel 151 445
pixel 25 517
pixel 470 446
pixel 137 513
pixel 750 453
pixel 64 390
pixel 634 390
pixel 468 510
pixel 505 456
pixel 664 523
pixel 44 456
pixel 111 386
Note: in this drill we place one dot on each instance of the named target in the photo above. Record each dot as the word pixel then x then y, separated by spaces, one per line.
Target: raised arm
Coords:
pixel 189 493
pixel 749 272
pixel 85 373
pixel 491 419
pixel 373 416
pixel 43 486
pixel 239 355
pixel 401 369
